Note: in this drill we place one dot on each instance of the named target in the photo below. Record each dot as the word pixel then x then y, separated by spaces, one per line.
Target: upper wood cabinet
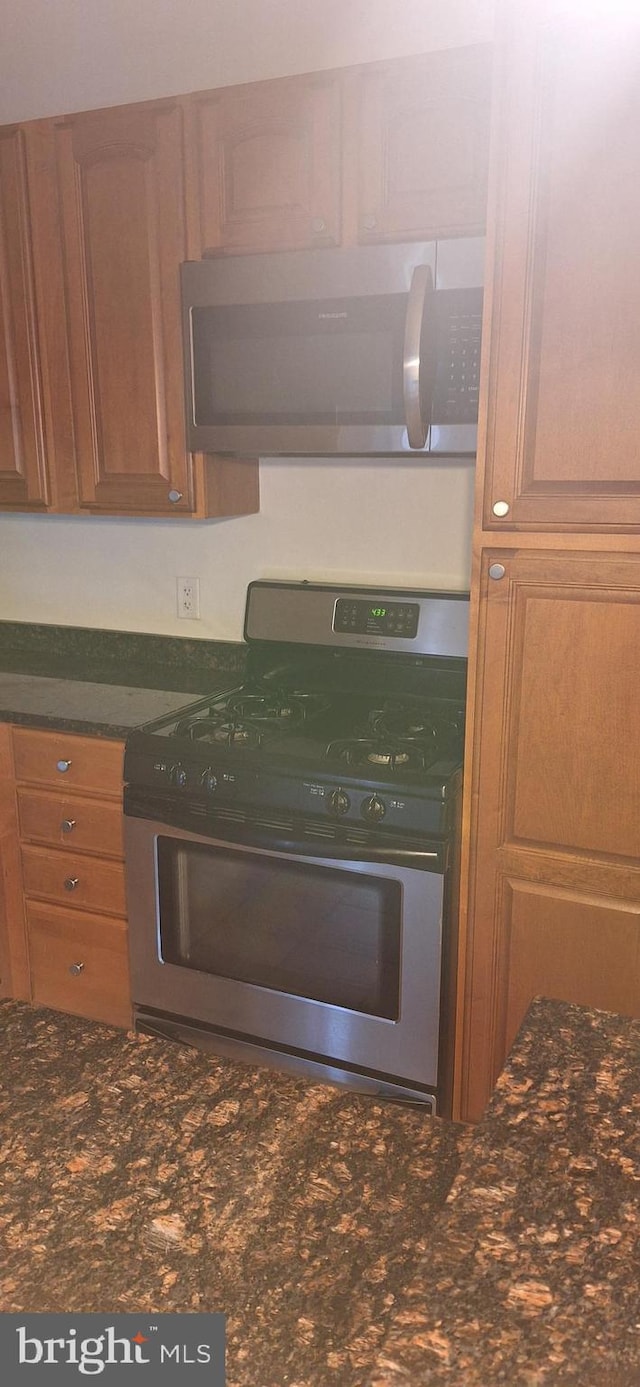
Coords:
pixel 121 197
pixel 24 480
pixel 384 152
pixel 264 164
pixel 563 320
pixel 92 234
pixel 423 146
pixel 120 187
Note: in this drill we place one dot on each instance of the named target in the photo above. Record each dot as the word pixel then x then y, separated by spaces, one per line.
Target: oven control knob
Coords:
pixel 373 809
pixel 209 781
pixel 339 802
pixel 178 776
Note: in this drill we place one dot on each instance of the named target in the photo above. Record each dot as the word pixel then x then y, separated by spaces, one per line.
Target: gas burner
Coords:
pixel 399 755
pixel 426 725
pixel 232 733
pixel 220 729
pixel 281 708
pixel 382 757
pixel 399 720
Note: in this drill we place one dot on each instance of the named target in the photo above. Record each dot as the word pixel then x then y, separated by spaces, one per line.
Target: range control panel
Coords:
pixel 376 619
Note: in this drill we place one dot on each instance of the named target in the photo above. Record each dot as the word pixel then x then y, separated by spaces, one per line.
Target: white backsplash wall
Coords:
pixel 365 522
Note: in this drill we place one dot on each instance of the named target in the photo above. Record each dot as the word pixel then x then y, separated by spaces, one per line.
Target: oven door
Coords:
pixel 326 957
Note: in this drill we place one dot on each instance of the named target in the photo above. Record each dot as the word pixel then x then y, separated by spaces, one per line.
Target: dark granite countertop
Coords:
pixel 103 683
pixel 531 1275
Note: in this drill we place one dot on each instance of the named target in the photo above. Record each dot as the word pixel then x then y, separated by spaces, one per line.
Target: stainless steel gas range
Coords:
pixel 291 843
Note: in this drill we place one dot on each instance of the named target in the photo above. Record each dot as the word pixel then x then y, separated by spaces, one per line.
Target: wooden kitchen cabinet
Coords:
pixel 24 478
pixel 423 146
pixel 264 165
pixel 563 398
pixel 551 823
pixel 554 906
pixel 14 965
pixel 91 238
pixel 120 180
pixel 383 152
pixel 71 872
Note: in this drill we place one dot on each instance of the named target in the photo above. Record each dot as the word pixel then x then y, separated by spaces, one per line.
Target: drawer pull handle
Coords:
pixel 70 883
pixel 63 766
pixel 76 968
pixel 68 825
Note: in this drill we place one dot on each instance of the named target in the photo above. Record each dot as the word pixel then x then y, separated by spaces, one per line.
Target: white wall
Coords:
pixel 70 55
pixel 404 523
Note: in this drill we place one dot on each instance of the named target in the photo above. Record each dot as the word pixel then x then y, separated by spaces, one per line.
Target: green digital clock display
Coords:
pixel 359 617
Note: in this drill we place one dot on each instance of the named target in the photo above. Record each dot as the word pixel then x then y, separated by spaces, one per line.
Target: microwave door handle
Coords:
pixel 413 369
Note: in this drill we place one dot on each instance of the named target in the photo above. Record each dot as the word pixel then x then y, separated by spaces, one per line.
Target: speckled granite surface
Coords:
pixel 103 683
pixel 533 1276
pixel 138 1175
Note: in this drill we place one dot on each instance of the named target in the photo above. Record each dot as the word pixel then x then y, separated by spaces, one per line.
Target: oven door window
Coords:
pixel 324 933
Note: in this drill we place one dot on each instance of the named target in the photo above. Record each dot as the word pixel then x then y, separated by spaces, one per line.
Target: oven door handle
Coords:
pixel 419 858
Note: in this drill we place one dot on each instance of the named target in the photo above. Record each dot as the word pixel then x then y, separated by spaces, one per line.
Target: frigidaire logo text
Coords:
pixel 93 1355
pixel 332 315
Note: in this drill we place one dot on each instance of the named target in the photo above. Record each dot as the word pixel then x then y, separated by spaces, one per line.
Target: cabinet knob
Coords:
pixel 318 224
pixel 68 825
pixel 70 883
pixel 62 766
pixel 370 223
pixel 76 968
pixel 497 570
pixel 175 496
pixel 501 508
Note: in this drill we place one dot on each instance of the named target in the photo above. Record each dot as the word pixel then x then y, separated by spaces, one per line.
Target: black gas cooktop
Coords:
pixel 360 731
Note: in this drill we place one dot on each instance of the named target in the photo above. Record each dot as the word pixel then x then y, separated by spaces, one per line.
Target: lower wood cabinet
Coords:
pixel 79 962
pixel 554 796
pixel 65 914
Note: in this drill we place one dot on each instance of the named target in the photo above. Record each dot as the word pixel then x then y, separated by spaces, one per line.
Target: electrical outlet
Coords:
pixel 188 593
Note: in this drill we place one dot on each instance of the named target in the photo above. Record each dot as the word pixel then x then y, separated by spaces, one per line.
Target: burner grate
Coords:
pixel 403 754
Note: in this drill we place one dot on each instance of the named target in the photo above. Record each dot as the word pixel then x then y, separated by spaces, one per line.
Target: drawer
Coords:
pixel 70 822
pixel 75 881
pixel 79 964
pixel 80 763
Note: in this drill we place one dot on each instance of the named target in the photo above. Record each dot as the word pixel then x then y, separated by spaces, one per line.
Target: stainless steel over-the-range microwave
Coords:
pixel 351 352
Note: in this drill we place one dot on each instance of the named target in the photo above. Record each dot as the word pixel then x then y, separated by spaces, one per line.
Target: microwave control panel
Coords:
pixel 372 619
pixel 459 330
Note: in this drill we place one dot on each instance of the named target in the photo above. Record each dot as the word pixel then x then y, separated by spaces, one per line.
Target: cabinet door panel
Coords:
pixel 24 483
pixel 575 947
pixel 564 404
pixel 265 160
pixel 423 146
pixel 554 786
pixel 121 193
